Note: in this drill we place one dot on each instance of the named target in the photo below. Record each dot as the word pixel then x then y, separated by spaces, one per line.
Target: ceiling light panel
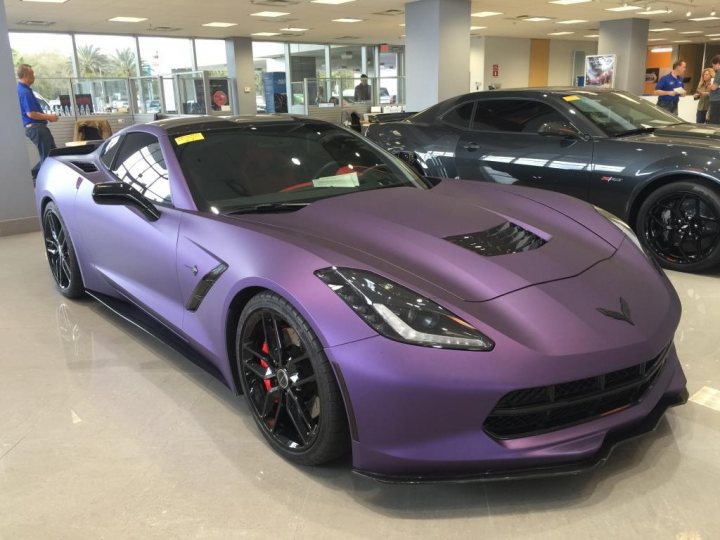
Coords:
pixel 568 2
pixel 220 24
pixel 348 20
pixel 623 8
pixel 128 19
pixel 331 2
pixel 270 14
pixel 486 13
pixel 573 21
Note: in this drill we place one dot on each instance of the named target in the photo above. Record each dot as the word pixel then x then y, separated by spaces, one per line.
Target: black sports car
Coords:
pixel 613 149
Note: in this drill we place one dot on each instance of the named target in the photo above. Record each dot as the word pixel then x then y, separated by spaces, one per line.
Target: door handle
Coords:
pixel 472 147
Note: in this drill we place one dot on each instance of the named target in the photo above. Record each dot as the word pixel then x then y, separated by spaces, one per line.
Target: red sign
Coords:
pixel 496 70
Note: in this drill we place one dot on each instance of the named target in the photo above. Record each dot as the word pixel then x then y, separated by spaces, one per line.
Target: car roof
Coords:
pixel 184 124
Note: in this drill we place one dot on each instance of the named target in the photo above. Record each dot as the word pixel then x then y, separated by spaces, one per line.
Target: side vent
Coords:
pixel 203 288
pixel 504 239
pixel 85 166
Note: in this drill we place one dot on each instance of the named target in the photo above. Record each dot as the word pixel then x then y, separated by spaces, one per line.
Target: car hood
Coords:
pixel 702 135
pixel 403 234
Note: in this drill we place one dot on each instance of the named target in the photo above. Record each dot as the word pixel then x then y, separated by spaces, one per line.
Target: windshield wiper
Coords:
pixel 637 131
pixel 268 208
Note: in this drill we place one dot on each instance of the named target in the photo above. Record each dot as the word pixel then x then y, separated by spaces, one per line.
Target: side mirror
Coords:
pixel 120 193
pixel 558 129
pixel 410 159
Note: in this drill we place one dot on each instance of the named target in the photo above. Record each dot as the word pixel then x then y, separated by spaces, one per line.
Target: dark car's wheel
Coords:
pixel 289 383
pixel 680 224
pixel 61 254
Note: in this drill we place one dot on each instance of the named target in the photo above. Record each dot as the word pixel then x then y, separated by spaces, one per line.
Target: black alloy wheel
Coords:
pixel 680 224
pixel 61 254
pixel 289 383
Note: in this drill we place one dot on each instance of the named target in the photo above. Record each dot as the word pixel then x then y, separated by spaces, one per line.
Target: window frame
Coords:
pixel 478 102
pixel 114 164
pixel 474 103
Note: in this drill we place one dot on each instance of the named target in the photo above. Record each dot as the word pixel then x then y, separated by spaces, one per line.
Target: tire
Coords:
pixel 291 388
pixel 60 254
pixel 680 225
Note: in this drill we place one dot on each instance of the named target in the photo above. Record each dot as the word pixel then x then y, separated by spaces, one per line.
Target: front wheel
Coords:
pixel 289 383
pixel 680 224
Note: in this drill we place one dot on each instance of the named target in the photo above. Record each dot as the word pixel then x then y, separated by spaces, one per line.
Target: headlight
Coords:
pixel 624 227
pixel 400 314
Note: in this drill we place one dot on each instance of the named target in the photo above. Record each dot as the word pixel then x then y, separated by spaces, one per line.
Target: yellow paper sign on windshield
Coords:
pixel 571 98
pixel 192 137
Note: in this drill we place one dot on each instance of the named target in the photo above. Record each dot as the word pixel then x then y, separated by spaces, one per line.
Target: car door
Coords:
pixel 503 145
pixel 133 254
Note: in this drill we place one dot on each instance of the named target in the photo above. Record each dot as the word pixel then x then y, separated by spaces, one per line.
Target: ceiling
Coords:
pixel 381 19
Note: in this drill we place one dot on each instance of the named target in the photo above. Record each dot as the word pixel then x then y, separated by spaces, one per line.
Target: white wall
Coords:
pixel 17 205
pixel 477 64
pixel 512 55
pixel 560 70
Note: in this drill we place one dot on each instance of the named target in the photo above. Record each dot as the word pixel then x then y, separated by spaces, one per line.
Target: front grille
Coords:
pixel 532 411
pixel 503 239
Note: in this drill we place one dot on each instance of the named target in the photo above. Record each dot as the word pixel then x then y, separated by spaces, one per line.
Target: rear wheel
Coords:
pixel 680 224
pixel 60 253
pixel 289 383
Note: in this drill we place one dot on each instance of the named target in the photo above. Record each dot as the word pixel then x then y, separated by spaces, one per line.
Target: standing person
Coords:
pixel 703 94
pixel 670 87
pixel 34 120
pixel 362 90
pixel 714 110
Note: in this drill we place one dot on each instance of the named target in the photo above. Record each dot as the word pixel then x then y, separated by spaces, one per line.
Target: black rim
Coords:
pixel 682 228
pixel 280 380
pixel 56 247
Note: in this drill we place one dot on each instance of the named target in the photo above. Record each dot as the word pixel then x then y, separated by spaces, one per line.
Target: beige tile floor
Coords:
pixel 106 433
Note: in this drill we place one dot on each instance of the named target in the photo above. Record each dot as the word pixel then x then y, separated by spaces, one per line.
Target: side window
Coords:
pixel 140 163
pixel 460 116
pixel 109 151
pixel 514 115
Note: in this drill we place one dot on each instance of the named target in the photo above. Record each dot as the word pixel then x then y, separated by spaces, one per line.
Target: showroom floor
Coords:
pixel 106 433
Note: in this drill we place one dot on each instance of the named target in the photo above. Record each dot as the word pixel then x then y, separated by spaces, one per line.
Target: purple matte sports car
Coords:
pixel 437 330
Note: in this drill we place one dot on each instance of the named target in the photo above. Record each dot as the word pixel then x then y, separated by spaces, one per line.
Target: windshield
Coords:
pixel 617 113
pixel 283 163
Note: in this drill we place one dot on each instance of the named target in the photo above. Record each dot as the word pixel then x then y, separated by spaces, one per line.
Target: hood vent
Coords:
pixel 503 239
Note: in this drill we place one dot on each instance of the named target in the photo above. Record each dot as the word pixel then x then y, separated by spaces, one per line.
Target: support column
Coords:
pixel 17 201
pixel 626 38
pixel 241 69
pixel 437 46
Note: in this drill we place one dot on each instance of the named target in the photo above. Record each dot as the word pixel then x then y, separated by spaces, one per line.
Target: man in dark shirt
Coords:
pixel 33 118
pixel 362 90
pixel 671 87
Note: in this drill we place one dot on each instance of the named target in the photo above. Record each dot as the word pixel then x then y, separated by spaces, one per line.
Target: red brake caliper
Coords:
pixel 265 350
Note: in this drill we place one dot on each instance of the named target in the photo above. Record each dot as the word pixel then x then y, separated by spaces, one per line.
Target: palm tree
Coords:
pixel 92 62
pixel 122 63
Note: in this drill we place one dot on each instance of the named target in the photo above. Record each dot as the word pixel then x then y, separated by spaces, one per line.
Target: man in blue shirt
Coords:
pixel 33 117
pixel 671 87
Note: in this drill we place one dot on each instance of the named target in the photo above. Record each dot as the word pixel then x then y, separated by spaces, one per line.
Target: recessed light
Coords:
pixel 332 2
pixel 568 2
pixel 220 24
pixel 128 19
pixel 662 29
pixel 348 20
pixel 701 19
pixel 573 21
pixel 294 29
pixel 661 49
pixel 593 35
pixel 560 33
pixel 657 39
pixel 486 13
pixel 478 28
pixel 656 12
pixel 623 8
pixel 712 35
pixel 682 41
pixel 269 14
pixel 692 32
pixel 265 34
pixel 536 19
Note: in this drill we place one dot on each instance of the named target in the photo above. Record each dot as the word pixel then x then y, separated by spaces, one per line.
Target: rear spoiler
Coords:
pixel 388 117
pixel 87 147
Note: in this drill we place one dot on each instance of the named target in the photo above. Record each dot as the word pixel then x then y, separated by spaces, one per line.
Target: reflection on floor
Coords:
pixel 106 433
